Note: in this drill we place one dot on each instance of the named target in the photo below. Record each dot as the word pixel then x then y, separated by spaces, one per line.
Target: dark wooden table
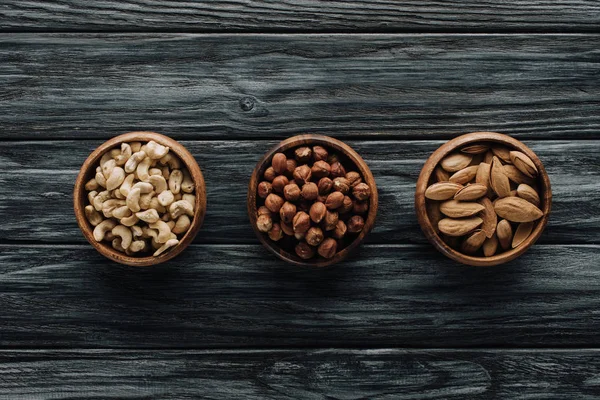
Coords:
pixel 226 320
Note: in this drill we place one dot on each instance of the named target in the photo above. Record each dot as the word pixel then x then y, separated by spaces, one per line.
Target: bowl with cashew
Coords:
pixel 140 198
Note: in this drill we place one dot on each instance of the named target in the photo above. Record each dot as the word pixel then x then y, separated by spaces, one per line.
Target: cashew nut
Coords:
pixel 135 146
pixel 178 196
pixel 126 185
pixel 145 200
pixel 110 205
pixel 101 198
pixel 155 171
pixel 92 215
pixel 100 179
pixel 121 212
pixel 133 200
pixel 175 180
pixel 107 167
pixel 166 172
pixel 183 224
pixel 92 184
pixel 159 183
pixel 109 155
pixel 109 236
pixel 102 228
pixel 155 244
pixel 157 206
pixel 187 185
pixel 150 216
pixel 166 217
pixel 171 160
pixel 136 231
pixel 129 221
pixel 137 246
pixel 118 195
pixel 126 152
pixel 166 198
pixel 156 150
pixel 116 244
pixel 181 207
pixel 164 231
pixel 91 196
pixel 144 187
pixel 142 169
pixel 190 198
pixel 171 225
pixel 170 243
pixel 124 233
pixel 116 178
pixel 133 161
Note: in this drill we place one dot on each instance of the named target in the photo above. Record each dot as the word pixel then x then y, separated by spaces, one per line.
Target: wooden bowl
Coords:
pixel 454 145
pixel 349 157
pixel 88 171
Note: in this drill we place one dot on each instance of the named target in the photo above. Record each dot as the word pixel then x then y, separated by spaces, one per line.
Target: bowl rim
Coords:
pixel 453 145
pixel 80 197
pixel 313 140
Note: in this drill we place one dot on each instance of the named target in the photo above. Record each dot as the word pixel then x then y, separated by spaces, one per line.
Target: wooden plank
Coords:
pixel 44 174
pixel 300 15
pixel 274 86
pixel 300 374
pixel 241 296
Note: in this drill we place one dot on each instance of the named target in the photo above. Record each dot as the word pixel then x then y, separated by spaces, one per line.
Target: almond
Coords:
pixel 517 176
pixel 516 209
pixel 456 162
pixel 471 192
pixel 441 175
pixel 523 231
pixel 490 246
pixel 459 227
pixel 498 180
pixel 523 163
pixel 460 209
pixel 490 219
pixel 483 174
pixel 465 175
pixel 475 149
pixel 442 190
pixel 504 234
pixel 473 242
pixel 502 153
pixel 488 157
pixel 528 193
pixel 434 214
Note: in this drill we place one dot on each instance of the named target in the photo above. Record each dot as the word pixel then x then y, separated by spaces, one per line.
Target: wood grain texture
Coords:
pixel 292 374
pixel 275 86
pixel 300 15
pixel 243 296
pixel 44 173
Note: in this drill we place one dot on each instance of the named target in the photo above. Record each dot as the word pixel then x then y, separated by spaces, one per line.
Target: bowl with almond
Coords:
pixel 311 200
pixel 483 198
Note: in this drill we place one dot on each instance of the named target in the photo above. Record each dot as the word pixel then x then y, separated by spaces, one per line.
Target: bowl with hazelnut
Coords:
pixel 483 198
pixel 140 198
pixel 311 200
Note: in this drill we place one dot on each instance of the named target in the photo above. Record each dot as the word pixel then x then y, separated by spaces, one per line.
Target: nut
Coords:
pixel 301 222
pixel 320 169
pixel 340 230
pixel 328 248
pixel 302 174
pixel 325 185
pixel 314 236
pixel 334 200
pixel 337 170
pixel 262 210
pixel 360 207
pixel 356 224
pixel 319 153
pixel 287 212
pixel 353 178
pixel 347 205
pixel 310 191
pixel 361 192
pixel 279 163
pixel 303 154
pixel 341 185
pixel 270 174
pixel 331 220
pixel 264 223
pixel 291 192
pixel 291 166
pixel 264 189
pixel 274 203
pixel 279 183
pixel 317 212
pixel 304 251
pixel 275 233
pixel 287 229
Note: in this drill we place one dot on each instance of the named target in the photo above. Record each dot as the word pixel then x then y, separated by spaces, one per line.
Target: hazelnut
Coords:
pixel 310 191
pixel 356 224
pixel 262 210
pixel 288 229
pixel 330 221
pixel 273 203
pixel 319 153
pixel 264 189
pixel 287 212
pixel 299 236
pixel 317 212
pixel 303 154
pixel 279 163
pixel 333 158
pixel 264 223
pixel 304 251
pixel 337 170
pixel 275 233
pixel 360 207
pixel 322 199
pixel 341 185
pixel 353 178
pixel 314 236
pixel 320 169
pixel 270 174
pixel 340 230
pixel 328 248
pixel 301 222
pixel 347 205
pixel 334 200
pixel 291 166
pixel 361 191
pixel 302 174
pixel 291 192
pixel 279 183
pixel 325 185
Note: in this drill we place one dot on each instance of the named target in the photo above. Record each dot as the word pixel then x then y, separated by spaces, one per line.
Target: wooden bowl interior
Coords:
pixel 88 171
pixel 348 157
pixel 425 179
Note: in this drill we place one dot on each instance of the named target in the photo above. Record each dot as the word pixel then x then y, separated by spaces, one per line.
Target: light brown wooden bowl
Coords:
pixel 454 145
pixel 351 157
pixel 88 171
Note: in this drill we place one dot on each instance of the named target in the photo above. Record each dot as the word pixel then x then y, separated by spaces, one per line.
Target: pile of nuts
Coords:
pixel 309 203
pixel 141 199
pixel 484 198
